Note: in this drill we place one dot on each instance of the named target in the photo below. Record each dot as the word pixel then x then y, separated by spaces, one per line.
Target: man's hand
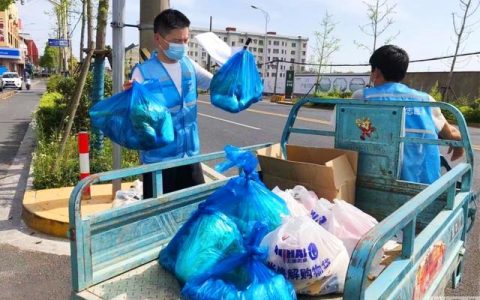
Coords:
pixel 457 152
pixel 450 132
pixel 127 85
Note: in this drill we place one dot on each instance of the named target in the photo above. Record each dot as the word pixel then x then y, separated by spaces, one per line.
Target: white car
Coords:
pixel 12 80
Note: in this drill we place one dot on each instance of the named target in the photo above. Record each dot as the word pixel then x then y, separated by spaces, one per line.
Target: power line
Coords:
pixel 366 65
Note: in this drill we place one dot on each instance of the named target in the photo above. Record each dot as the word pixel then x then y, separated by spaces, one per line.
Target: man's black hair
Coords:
pixel 169 19
pixel 392 61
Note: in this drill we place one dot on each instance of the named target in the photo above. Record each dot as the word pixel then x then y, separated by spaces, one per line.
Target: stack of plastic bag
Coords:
pixel 135 118
pixel 205 239
pixel 296 208
pixel 307 255
pixel 344 220
pixel 304 196
pixel 241 276
pixel 132 195
pixel 216 229
pixel 237 84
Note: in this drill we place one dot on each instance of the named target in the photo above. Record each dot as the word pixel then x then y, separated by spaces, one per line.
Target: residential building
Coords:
pixel 287 49
pixel 32 56
pixel 10 41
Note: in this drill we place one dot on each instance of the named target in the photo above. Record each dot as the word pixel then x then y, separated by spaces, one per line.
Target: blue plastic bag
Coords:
pixel 206 238
pixel 218 226
pixel 136 118
pixel 241 276
pixel 237 84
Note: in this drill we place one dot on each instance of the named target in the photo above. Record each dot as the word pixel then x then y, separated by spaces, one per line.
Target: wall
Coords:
pixel 464 84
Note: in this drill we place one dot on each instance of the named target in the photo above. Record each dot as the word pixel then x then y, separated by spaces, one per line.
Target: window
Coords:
pixel 303 60
pixel 225 39
pixel 255 41
pixel 268 74
pixel 274 74
pixel 294 44
pixel 291 68
pixel 260 42
pixel 304 53
pixel 241 41
pixel 233 43
pixel 196 54
pixel 292 60
pixel 304 45
pixel 292 52
pixel 275 51
pixel 260 50
pixel 269 56
pixel 302 68
pixel 283 43
pixel 269 50
pixel 254 48
pixel 269 42
pixel 275 58
pixel 204 54
pixel 276 43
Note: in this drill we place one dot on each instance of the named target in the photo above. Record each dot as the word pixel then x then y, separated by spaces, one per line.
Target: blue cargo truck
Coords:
pixel 114 253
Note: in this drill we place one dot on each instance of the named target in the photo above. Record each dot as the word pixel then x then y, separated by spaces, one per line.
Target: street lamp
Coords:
pixel 267 18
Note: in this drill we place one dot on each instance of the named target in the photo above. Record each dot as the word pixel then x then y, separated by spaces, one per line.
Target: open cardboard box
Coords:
pixel 330 173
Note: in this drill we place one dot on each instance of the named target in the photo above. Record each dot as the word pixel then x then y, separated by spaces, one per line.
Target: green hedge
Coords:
pixel 48 119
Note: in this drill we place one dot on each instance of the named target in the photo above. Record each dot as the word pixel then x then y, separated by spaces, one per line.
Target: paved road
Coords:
pixel 33 275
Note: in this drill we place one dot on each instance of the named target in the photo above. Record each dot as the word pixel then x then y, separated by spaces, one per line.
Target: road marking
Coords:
pixel 227 121
pixel 323 122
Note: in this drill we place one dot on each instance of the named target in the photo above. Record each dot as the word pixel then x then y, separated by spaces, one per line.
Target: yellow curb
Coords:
pixel 47 210
pixel 6 95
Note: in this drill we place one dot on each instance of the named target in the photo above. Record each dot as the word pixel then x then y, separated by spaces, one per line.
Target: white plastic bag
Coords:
pixel 349 223
pixel 296 208
pixel 311 258
pixel 133 194
pixel 322 213
pixel 306 197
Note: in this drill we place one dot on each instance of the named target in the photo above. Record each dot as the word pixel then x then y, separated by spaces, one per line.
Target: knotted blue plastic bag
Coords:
pixel 206 238
pixel 237 84
pixel 136 118
pixel 245 198
pixel 241 276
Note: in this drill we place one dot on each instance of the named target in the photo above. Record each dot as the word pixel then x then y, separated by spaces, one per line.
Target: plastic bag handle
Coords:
pixel 249 40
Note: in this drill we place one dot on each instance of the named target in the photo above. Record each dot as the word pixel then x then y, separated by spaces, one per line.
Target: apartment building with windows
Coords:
pixel 279 47
pixel 11 52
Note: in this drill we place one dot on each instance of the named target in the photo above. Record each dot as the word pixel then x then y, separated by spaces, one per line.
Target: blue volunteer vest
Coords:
pixel 421 162
pixel 183 109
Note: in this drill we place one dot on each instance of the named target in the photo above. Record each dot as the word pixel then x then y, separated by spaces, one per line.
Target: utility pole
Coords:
pixel 149 9
pixel 118 59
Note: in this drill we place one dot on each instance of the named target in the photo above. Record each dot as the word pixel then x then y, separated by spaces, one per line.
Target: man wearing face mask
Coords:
pixel 180 77
pixel 421 162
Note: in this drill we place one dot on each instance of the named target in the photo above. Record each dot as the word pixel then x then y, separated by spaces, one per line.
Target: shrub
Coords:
pixel 47 175
pixel 49 115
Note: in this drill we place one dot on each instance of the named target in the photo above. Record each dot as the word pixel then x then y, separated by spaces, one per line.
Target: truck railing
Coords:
pixel 413 247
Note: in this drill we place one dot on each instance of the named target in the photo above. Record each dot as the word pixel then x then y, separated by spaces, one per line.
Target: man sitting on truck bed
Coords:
pixel 421 162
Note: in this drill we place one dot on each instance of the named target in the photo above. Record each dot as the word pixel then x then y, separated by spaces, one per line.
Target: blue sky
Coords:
pixel 425 25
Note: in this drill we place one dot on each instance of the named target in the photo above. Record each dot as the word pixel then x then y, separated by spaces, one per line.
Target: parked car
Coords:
pixel 12 80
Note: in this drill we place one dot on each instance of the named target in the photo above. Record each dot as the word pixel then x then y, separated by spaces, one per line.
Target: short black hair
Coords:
pixel 169 19
pixel 392 61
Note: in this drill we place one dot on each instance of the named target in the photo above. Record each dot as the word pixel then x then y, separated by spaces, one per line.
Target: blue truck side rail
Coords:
pixel 110 243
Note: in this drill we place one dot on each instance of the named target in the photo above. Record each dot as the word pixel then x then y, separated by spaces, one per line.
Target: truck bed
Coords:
pixel 149 281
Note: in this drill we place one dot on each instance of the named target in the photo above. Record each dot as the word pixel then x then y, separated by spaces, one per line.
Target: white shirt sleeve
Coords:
pixel 438 117
pixel 137 75
pixel 203 76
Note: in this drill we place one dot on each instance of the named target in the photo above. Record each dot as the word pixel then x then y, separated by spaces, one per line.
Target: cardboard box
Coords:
pixel 330 173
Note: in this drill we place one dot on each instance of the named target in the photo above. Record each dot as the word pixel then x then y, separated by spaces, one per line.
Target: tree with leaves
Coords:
pixel 379 13
pixel 325 43
pixel 462 31
pixel 49 59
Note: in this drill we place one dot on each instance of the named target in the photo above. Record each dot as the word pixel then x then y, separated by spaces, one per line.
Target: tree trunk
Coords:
pixel 457 47
pixel 75 101
pixel 89 23
pixel 99 67
pixel 84 23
